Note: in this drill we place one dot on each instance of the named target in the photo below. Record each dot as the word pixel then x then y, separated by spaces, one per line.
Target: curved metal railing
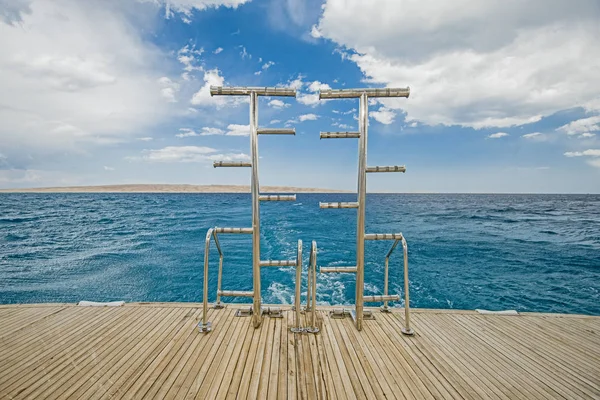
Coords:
pixel 205 325
pixel 298 327
pixel 311 289
pixel 407 329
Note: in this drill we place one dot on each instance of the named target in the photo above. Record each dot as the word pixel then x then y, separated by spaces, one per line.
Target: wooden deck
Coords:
pixel 154 351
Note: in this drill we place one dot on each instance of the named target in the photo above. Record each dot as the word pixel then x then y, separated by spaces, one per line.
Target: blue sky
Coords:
pixel 505 95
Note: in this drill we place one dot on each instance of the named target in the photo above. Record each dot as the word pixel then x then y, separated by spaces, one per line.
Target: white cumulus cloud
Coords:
pixel 169 89
pixel 77 73
pixel 472 63
pixel 535 136
pixel 308 117
pixel 498 135
pixel 312 99
pixel 232 130
pixel 580 126
pixel 238 130
pixel 276 103
pixel 185 7
pixel 268 65
pixel 203 98
pixel 589 152
pixel 383 115
pixel 185 154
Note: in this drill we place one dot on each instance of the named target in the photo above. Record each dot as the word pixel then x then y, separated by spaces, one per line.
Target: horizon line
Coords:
pixel 106 188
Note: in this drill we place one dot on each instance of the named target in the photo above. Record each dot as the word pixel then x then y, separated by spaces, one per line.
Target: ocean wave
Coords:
pixel 465 251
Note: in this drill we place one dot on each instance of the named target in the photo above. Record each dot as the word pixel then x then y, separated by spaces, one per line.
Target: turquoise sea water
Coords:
pixel 524 252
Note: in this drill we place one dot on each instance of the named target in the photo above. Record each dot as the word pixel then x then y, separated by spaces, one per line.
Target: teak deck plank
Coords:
pixel 100 363
pixel 154 350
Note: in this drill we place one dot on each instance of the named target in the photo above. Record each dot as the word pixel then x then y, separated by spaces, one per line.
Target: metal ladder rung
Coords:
pixel 231 164
pixel 276 131
pixel 234 230
pixel 352 93
pixel 246 90
pixel 381 298
pixel 278 263
pixel 235 293
pixel 339 204
pixel 277 197
pixel 383 236
pixel 340 135
pixel 331 270
pixel 392 168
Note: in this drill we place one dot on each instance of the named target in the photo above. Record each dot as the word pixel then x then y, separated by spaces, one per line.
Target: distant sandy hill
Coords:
pixel 159 188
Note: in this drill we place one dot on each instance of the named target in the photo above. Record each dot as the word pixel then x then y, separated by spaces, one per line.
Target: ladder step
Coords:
pixel 381 298
pixel 234 230
pixel 350 93
pixel 231 164
pixel 353 204
pixel 340 135
pixel 278 263
pixel 246 90
pixel 332 270
pixel 392 168
pixel 277 197
pixel 383 236
pixel 276 131
pixel 236 293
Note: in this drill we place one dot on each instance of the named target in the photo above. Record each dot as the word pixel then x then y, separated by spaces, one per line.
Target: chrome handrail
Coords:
pixel 312 284
pixel 220 278
pixel 407 329
pixel 205 325
pixel 385 307
pixel 298 328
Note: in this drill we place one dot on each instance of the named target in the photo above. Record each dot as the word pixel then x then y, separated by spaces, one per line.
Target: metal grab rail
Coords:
pixel 298 328
pixel 205 325
pixel 407 329
pixel 311 291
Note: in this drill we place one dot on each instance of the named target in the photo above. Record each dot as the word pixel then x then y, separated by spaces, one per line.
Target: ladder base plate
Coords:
pixel 367 315
pixel 338 313
pixel 273 312
pixel 244 312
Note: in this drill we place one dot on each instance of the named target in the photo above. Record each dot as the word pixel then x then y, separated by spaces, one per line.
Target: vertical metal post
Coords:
pixel 308 287
pixel 205 326
pixel 254 187
pixel 407 329
pixel 297 303
pixel 219 281
pixel 363 121
pixel 313 268
pixel 385 283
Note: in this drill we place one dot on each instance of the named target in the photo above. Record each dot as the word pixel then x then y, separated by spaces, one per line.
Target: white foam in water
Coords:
pixel 371 288
pixel 281 293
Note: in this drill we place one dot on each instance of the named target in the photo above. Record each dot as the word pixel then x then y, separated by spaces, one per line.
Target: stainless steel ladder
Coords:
pixel 256 311
pixel 359 269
